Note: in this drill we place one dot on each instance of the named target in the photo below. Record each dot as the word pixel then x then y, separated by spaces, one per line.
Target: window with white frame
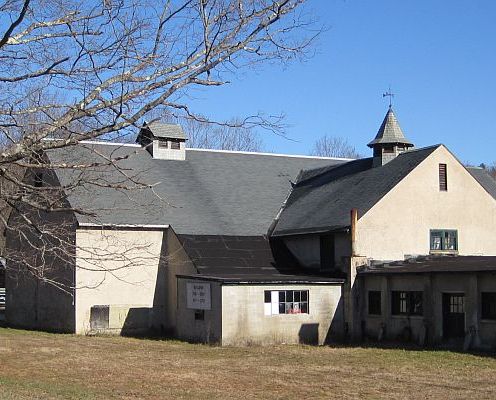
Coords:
pixel 285 302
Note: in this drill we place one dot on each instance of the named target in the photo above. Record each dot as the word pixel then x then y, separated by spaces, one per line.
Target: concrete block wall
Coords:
pixel 244 321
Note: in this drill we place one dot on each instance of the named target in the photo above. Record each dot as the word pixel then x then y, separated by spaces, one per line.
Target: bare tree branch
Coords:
pixel 72 71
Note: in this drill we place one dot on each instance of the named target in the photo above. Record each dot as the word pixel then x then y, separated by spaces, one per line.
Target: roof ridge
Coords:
pixel 270 154
pixel 327 169
pixel 110 143
pixel 414 149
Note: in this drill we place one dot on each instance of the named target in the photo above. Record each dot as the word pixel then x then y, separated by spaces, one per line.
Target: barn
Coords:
pixel 253 248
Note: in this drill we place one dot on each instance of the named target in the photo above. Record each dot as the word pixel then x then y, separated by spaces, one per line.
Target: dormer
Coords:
pixel 163 141
pixel 389 141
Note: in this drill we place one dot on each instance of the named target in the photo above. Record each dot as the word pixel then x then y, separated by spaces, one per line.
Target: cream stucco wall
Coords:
pixel 244 321
pixel 400 222
pixel 122 269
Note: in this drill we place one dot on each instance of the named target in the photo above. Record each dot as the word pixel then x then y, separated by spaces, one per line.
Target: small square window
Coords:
pixel 175 145
pixel 199 315
pixel 163 144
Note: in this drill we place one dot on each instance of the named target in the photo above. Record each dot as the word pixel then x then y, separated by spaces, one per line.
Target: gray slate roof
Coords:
pixel 486 180
pixel 170 131
pixel 211 193
pixel 390 132
pixel 322 199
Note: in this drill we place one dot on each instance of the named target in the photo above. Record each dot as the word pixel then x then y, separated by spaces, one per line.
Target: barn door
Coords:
pixel 453 315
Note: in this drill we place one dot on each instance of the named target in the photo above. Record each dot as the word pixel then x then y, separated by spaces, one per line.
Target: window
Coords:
pixel 456 304
pixel 488 303
pixel 163 144
pixel 285 302
pixel 175 144
pixel 443 178
pixel 199 315
pixel 2 298
pixel 406 303
pixel 444 240
pixel 374 302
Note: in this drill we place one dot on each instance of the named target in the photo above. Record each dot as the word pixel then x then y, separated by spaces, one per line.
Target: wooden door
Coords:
pixel 453 315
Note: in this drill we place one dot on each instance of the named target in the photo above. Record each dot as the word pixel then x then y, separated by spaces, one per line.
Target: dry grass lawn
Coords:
pixel 47 366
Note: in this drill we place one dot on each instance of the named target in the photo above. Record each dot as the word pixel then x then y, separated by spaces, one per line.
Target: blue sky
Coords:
pixel 438 56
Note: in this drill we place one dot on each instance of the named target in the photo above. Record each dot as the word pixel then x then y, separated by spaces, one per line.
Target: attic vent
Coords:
pixel 443 178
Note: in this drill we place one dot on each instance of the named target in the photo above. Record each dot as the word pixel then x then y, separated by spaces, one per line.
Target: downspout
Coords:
pixel 354 220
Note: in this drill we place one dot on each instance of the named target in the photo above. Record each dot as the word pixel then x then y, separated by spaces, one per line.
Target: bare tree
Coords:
pixel 334 146
pixel 73 70
pixel 232 135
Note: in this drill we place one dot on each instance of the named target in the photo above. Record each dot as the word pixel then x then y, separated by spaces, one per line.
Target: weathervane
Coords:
pixel 389 94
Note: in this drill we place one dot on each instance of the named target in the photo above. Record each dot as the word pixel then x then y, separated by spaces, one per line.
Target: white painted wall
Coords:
pixel 400 222
pixel 168 153
pixel 120 268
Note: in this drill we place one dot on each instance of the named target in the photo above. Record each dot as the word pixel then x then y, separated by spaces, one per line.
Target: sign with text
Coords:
pixel 198 296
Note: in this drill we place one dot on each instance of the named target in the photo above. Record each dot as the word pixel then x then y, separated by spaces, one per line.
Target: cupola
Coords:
pixel 389 141
pixel 163 141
